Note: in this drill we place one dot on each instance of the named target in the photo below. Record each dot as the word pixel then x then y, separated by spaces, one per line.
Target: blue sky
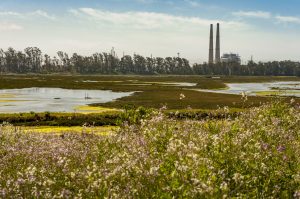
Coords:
pixel 264 29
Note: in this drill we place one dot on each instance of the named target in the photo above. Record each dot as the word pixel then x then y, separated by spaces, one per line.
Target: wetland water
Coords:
pixel 270 88
pixel 52 99
pixel 68 100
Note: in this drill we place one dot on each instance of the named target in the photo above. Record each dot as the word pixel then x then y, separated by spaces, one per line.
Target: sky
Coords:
pixel 264 29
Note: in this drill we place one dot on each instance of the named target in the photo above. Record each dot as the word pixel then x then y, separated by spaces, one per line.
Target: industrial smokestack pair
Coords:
pixel 211 45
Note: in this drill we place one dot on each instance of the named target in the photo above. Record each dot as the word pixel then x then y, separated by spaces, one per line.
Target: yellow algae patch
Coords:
pixel 102 130
pixel 7 95
pixel 2 101
pixel 93 109
pixel 9 100
pixel 266 93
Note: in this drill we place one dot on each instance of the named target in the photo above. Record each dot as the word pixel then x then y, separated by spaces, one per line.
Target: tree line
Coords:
pixel 32 60
pixel 274 68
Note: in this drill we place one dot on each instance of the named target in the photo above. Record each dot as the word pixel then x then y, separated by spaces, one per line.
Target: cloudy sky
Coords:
pixel 264 29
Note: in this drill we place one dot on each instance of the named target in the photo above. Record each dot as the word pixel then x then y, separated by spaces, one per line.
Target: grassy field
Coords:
pixel 109 117
pixel 154 93
pixel 124 83
pixel 255 155
pixel 193 99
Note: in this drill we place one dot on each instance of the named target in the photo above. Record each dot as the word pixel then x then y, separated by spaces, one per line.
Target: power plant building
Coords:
pixel 227 57
pixel 231 58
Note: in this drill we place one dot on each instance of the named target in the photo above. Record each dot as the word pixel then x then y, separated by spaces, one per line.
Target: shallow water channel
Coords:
pixel 52 99
pixel 291 88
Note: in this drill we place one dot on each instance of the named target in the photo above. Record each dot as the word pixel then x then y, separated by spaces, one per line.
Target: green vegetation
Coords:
pixel 62 119
pixel 114 83
pixel 255 155
pixel 130 115
pixel 193 99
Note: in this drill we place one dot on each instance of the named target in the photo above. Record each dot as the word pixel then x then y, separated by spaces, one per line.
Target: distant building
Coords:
pixel 227 57
pixel 113 52
pixel 231 58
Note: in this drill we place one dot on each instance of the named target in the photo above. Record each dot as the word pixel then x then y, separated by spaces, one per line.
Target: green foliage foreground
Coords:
pixel 253 155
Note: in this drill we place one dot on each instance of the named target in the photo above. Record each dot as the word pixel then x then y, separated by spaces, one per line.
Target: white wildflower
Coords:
pixel 224 186
pixel 182 96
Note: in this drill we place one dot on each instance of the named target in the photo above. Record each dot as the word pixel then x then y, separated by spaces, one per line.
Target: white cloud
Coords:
pixel 42 14
pixel 36 13
pixel 148 20
pixel 6 26
pixel 144 1
pixel 268 15
pixel 193 3
pixel 288 19
pixel 9 13
pixel 254 14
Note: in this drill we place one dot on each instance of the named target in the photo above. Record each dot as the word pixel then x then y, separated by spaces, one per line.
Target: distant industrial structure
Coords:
pixel 217 58
pixel 211 45
pixel 231 58
pixel 227 57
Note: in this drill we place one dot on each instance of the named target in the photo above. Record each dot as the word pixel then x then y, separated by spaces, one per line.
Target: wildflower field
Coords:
pixel 253 155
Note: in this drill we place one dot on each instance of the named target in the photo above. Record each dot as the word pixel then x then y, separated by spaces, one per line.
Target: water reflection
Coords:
pixel 270 88
pixel 52 99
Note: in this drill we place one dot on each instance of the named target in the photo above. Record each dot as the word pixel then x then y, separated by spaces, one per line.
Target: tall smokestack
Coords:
pixel 211 45
pixel 218 54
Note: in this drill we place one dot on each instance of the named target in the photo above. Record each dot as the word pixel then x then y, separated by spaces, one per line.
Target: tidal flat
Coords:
pixel 150 91
pixel 277 88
